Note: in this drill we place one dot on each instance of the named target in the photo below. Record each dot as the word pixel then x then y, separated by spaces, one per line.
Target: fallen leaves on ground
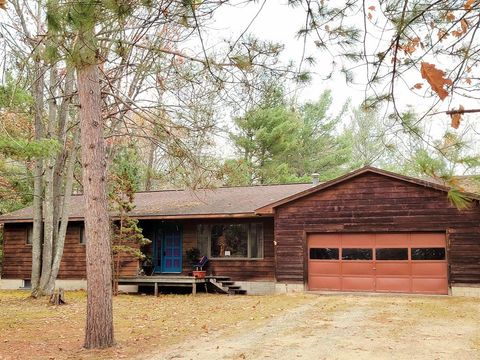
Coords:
pixel 32 329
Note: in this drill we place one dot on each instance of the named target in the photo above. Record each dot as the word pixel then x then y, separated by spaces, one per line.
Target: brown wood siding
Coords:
pixel 18 255
pixel 240 270
pixel 377 203
pixel 18 258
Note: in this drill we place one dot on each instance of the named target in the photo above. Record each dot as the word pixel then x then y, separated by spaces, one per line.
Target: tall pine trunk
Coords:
pixel 99 326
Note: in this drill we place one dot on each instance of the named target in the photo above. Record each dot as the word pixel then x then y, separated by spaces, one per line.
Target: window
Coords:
pixel 428 253
pixel 357 254
pixel 82 235
pixel 30 235
pixel 231 240
pixel 27 284
pixel 324 254
pixel 391 254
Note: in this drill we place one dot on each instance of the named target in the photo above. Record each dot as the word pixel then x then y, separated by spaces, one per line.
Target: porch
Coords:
pixel 165 280
pixel 219 284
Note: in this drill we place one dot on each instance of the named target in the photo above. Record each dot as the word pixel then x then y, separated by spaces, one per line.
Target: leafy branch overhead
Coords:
pixel 386 44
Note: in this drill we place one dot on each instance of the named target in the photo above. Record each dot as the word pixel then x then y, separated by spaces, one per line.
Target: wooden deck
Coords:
pixel 164 280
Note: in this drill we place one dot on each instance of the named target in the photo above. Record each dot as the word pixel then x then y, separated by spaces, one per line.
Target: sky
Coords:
pixel 280 23
pixel 274 20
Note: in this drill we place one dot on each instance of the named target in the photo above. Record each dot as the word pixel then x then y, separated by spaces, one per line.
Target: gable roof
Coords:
pixel 170 204
pixel 367 169
pixel 228 202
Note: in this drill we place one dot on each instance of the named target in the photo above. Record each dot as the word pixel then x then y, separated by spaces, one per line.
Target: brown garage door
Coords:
pixel 393 262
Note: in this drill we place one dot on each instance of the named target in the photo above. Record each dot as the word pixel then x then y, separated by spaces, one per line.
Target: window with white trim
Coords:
pixel 231 240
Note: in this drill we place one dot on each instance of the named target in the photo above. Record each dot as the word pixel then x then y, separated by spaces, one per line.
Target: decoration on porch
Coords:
pixel 193 256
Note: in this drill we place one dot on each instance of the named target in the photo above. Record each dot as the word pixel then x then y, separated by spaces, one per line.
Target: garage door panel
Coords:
pixel 358 241
pixel 357 283
pixel 431 286
pixel 324 268
pixel 428 240
pixel 325 282
pixel 393 284
pixel 324 240
pixel 427 268
pixel 358 268
pixel 387 268
pixel 392 240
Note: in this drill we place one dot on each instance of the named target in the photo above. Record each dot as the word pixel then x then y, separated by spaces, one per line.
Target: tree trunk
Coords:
pixel 64 209
pixel 48 203
pixel 37 183
pixel 61 157
pixel 149 173
pixel 59 217
pixel 99 327
pixel 38 169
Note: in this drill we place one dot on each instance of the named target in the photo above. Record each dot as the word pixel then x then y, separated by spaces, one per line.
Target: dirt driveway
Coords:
pixel 350 327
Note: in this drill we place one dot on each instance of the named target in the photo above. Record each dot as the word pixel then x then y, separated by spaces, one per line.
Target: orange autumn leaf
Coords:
pixel 371 8
pixel 410 46
pixel 468 4
pixel 417 86
pixel 436 79
pixel 464 25
pixel 457 117
pixel 468 81
pixel 442 34
pixel 450 16
pixel 3 4
pixel 457 33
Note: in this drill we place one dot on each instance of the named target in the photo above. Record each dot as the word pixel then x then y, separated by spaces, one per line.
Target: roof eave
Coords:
pixel 156 217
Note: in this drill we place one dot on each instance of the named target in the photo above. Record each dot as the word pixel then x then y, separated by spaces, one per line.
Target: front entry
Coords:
pixel 168 250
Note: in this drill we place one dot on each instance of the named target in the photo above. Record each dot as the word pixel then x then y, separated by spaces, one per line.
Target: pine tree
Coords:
pixel 127 237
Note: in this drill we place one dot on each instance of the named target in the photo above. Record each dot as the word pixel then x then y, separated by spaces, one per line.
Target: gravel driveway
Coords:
pixel 351 327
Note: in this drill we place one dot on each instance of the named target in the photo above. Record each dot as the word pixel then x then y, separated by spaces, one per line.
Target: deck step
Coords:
pixel 237 292
pixel 225 285
pixel 218 278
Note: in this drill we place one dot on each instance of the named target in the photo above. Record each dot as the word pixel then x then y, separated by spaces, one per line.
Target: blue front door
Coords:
pixel 171 259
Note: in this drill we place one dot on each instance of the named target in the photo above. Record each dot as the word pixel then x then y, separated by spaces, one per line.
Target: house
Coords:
pixel 369 230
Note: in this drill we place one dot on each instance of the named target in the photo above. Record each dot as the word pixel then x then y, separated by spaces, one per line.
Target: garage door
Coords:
pixel 400 262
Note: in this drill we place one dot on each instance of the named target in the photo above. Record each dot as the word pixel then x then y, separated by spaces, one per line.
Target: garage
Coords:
pixel 378 262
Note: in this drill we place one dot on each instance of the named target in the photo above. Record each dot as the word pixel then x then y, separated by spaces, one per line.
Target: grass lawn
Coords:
pixel 32 329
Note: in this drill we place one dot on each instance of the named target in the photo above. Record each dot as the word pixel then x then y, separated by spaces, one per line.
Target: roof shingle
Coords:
pixel 226 201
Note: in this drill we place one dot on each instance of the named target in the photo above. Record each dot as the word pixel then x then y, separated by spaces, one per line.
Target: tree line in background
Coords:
pixel 274 141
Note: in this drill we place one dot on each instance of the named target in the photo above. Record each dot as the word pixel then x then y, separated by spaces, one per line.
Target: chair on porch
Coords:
pixel 201 263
